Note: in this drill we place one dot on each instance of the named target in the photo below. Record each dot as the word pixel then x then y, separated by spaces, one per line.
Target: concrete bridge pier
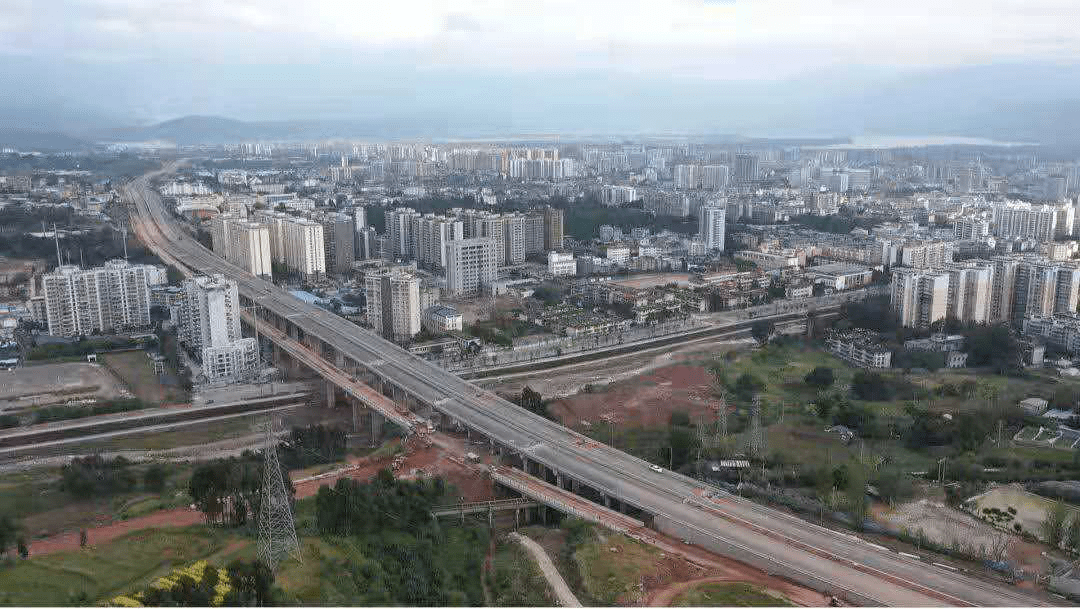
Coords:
pixel 331 395
pixel 377 421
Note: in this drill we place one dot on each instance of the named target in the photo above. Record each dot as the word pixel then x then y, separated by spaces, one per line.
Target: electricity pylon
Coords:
pixel 277 531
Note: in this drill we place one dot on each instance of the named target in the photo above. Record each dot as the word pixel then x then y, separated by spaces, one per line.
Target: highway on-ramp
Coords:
pixel 769 539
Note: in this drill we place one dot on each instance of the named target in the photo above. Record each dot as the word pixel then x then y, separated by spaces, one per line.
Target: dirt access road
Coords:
pixel 558 585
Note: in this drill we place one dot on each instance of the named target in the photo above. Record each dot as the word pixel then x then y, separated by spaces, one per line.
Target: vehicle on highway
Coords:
pixel 656 468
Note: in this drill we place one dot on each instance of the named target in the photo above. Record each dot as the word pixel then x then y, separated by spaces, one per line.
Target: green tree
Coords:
pixel 531 400
pixel 8 532
pixel 821 377
pixel 1053 526
pixel 762 330
pixel 746 386
pixel 871 386
pixel 1072 535
pixel 855 495
pixel 23 549
pixel 154 478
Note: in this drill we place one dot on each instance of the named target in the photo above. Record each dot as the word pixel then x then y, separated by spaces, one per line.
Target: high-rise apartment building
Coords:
pixel 432 234
pixel 970 291
pixel 534 233
pixel 274 221
pixel 553 228
pixel 687 177
pixel 399 229
pixel 249 247
pixel 919 298
pixel 111 298
pixel 1003 292
pixel 339 242
pixel 970 229
pixel 926 254
pixel 1014 220
pixel 246 244
pixel 715 177
pixel 746 168
pixel 393 304
pixel 210 327
pixel 711 226
pixel 482 224
pixel 514 238
pixel 471 264
pixel 305 248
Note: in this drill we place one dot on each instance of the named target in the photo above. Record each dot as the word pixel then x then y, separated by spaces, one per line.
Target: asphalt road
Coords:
pixel 771 539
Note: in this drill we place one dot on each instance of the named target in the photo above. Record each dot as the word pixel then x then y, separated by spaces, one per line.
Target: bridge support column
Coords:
pixel 355 416
pixel 339 359
pixel 575 486
pixel 517 518
pixel 491 518
pixel 377 421
pixel 330 395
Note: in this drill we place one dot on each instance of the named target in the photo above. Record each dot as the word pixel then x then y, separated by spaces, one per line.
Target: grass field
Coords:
pixel 729 595
pixel 515 580
pixel 135 369
pixel 35 499
pixel 95 574
pixel 611 566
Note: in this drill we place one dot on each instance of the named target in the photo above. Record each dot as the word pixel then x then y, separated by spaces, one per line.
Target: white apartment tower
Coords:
pixel 711 227
pixel 305 248
pixel 399 229
pixel 970 291
pixel 471 264
pixel 114 297
pixel 432 234
pixel 210 327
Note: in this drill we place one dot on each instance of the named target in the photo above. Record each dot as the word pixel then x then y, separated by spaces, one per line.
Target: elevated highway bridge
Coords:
pixel 420 396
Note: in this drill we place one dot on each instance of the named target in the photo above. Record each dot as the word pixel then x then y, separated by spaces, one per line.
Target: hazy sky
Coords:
pixel 740 64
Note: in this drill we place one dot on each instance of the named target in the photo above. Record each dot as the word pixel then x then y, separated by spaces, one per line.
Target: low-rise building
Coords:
pixel 1061 331
pixel 859 347
pixel 561 265
pixel 840 276
pixel 442 319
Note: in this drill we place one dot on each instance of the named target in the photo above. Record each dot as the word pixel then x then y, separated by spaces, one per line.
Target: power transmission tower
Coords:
pixel 757 437
pixel 277 531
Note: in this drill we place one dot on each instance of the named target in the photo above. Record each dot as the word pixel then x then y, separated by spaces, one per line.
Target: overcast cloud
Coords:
pixel 159 59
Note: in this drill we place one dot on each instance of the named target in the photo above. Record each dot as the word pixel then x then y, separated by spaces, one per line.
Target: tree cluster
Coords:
pixel 313 445
pixel 228 491
pixel 405 557
pixel 95 476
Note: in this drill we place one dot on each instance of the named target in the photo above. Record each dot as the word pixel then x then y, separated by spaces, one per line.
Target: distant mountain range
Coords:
pixel 1056 126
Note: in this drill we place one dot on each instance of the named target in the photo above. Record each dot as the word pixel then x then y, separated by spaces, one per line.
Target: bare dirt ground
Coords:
pixel 53 383
pixel 948 526
pixel 570 380
pixel 646 400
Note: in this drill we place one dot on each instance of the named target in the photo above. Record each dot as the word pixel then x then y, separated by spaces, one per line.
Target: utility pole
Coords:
pixel 277 530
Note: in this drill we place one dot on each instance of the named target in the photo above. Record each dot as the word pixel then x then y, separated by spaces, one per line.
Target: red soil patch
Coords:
pixel 663 597
pixel 646 401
